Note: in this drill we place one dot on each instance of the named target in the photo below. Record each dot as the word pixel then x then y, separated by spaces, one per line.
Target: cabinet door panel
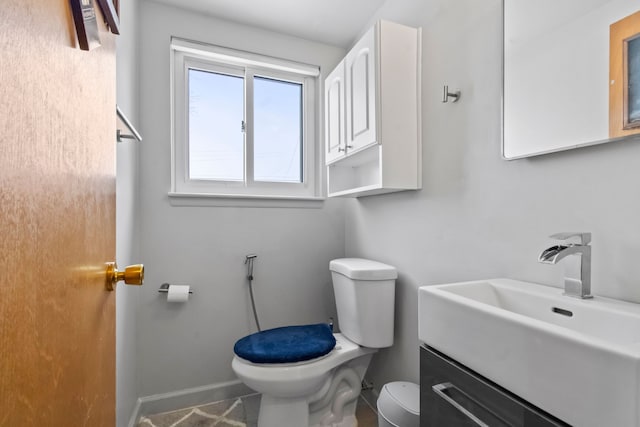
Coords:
pixel 361 93
pixel 360 77
pixel 334 114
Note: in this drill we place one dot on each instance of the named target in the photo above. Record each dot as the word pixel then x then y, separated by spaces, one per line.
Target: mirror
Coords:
pixel 558 93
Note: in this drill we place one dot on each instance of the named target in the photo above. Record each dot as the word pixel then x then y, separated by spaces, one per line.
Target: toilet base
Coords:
pixel 278 412
pixel 349 421
pixel 333 405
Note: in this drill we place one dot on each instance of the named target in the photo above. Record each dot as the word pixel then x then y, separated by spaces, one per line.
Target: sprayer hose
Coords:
pixel 253 303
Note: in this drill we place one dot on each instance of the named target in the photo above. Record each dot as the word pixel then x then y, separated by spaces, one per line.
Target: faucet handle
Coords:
pixel 583 238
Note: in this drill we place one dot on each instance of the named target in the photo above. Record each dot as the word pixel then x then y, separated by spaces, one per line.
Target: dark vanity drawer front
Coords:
pixel 453 407
pixel 452 395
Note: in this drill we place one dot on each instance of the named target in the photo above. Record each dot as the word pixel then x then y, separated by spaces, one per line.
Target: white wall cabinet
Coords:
pixel 373 115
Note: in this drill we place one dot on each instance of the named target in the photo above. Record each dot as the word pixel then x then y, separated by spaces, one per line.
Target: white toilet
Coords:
pixel 323 391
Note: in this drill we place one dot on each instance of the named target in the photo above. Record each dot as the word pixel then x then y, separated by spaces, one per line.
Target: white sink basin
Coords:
pixel 577 359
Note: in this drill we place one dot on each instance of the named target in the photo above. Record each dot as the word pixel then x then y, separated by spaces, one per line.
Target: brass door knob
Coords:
pixel 132 275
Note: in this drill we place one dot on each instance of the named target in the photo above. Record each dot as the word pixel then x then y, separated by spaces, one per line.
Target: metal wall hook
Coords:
pixel 455 95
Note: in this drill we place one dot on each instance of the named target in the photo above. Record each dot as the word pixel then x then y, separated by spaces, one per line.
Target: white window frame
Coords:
pixel 187 55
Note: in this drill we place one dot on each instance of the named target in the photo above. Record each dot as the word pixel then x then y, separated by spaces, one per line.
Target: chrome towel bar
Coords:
pixel 122 119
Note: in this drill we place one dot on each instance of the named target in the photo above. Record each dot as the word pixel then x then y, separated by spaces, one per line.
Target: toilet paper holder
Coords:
pixel 164 288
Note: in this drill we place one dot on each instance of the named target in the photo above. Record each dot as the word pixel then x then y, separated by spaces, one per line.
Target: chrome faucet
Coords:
pixel 577 280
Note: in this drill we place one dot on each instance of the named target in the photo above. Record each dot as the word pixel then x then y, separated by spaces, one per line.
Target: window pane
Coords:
pixel 216 140
pixel 277 140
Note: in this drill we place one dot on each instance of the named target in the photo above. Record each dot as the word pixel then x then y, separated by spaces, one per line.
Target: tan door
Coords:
pixel 620 33
pixel 57 220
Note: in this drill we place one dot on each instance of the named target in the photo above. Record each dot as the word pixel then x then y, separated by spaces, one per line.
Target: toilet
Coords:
pixel 309 375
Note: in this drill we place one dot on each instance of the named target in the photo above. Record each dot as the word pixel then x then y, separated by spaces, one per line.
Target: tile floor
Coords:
pixel 240 412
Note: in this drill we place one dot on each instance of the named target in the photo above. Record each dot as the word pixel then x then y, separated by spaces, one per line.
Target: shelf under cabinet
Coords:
pixel 366 173
pixel 359 172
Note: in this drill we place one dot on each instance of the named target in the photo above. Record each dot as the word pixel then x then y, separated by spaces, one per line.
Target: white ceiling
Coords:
pixel 334 22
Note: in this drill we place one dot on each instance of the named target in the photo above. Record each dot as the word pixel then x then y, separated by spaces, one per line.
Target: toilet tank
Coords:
pixel 365 296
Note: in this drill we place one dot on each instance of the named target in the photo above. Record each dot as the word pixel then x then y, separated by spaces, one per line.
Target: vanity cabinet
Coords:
pixel 373 115
pixel 452 395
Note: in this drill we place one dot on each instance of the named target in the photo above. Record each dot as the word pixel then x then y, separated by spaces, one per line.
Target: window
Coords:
pixel 243 124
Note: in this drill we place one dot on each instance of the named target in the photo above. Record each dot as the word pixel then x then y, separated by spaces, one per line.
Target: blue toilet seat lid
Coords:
pixel 288 344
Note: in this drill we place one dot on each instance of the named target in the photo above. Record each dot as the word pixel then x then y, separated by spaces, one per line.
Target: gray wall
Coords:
pixel 477 215
pixel 182 346
pixel 127 249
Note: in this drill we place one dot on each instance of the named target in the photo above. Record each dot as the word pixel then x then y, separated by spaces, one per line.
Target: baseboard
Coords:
pixel 370 396
pixel 135 415
pixel 186 398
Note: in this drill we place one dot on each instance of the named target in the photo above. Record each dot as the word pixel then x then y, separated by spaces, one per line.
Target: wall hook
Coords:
pixel 455 95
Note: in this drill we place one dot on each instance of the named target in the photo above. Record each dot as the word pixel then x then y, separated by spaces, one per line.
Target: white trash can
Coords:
pixel 399 405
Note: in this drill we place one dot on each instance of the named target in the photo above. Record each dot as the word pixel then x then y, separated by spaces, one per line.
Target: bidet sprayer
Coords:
pixel 249 260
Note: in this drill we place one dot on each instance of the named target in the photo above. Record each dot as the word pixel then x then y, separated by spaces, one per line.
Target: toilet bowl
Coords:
pixel 323 391
pixel 300 378
pixel 301 393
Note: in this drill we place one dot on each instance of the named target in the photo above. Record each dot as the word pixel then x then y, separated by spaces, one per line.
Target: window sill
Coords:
pixel 239 200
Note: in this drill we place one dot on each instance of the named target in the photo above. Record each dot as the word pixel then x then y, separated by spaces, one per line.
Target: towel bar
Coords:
pixel 127 124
